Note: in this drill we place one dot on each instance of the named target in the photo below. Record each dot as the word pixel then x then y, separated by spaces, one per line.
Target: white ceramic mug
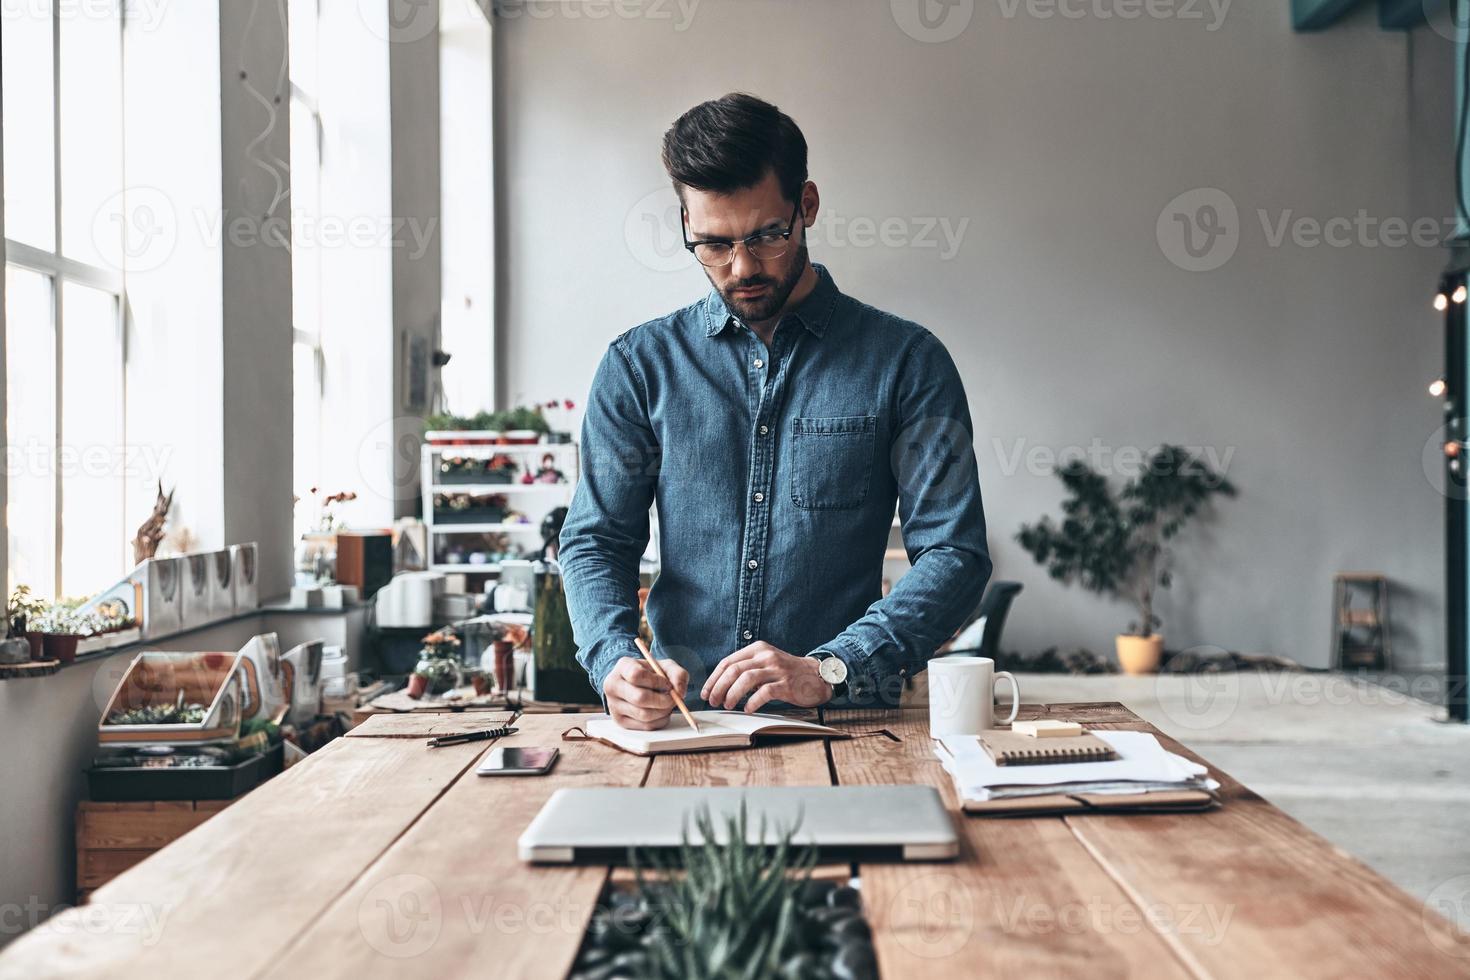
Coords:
pixel 962 695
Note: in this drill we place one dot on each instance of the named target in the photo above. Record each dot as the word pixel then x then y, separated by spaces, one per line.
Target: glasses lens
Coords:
pixel 769 246
pixel 714 253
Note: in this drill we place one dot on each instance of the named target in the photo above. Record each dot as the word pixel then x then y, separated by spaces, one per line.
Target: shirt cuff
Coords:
pixel 863 674
pixel 601 659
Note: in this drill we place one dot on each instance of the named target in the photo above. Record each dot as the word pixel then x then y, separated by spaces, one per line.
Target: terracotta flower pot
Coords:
pixel 417 684
pixel 1140 654
pixel 37 642
pixel 61 646
pixel 483 683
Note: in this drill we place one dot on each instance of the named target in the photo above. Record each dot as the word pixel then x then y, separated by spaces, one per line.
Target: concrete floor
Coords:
pixel 1375 771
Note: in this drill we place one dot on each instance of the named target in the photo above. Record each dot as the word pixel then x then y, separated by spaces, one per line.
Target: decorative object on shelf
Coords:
pixel 551 532
pixel 517 426
pixel 244 560
pixel 61 630
pixel 468 508
pixel 23 609
pixel 198 591
pixel 1119 545
pixel 438 671
pixel 548 473
pixel 558 417
pixel 222 585
pixel 174 699
pixel 301 680
pixel 15 650
pixel 264 696
pixel 150 533
pixel 725 900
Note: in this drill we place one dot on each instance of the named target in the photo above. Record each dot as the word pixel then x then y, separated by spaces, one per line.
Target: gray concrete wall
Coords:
pixel 1050 147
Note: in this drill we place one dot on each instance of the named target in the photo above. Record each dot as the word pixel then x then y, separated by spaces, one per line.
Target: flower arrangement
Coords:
pixel 23 607
pixel 438 669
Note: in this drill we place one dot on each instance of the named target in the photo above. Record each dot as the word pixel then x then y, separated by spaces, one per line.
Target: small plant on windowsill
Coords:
pixel 1118 544
pixel 22 609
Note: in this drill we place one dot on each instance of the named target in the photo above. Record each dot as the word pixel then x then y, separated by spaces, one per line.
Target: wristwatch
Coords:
pixel 833 670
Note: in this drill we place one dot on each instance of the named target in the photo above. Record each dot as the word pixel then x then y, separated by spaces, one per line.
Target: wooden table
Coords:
pixel 378 854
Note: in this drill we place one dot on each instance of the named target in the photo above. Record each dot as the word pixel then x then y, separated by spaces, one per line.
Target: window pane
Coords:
pixel 92 459
pixel 306 210
pixel 30 158
pixel 30 402
pixel 303 19
pixel 91 133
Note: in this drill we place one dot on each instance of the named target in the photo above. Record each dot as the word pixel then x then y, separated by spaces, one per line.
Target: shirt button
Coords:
pixel 764 430
pixel 747 635
pixel 759 497
pixel 752 564
pixel 759 362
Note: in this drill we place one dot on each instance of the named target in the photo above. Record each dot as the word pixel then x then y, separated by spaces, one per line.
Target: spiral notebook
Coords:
pixel 1013 749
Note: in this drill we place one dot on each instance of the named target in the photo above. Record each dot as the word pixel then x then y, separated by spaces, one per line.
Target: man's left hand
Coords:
pixel 765 673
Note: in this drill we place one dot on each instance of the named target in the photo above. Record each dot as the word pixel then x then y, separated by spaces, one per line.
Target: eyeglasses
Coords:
pixel 762 245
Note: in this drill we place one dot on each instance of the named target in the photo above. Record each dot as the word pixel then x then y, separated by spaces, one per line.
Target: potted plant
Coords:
pixel 1118 544
pixel 438 670
pixel 523 425
pixel 21 611
pixel 61 629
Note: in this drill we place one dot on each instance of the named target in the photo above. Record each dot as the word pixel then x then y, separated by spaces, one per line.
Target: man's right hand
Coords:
pixel 638 698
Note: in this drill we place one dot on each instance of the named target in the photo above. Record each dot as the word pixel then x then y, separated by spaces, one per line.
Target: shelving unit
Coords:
pixel 534 500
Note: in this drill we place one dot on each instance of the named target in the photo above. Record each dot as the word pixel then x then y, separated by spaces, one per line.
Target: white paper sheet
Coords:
pixel 1141 760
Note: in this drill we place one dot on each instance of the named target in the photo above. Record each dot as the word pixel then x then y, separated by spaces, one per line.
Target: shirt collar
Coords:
pixel 814 312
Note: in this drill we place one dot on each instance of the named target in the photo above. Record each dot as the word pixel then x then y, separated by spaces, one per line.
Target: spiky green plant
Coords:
pixel 729 910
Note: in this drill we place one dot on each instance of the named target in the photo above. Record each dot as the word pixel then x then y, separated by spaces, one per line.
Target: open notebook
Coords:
pixel 717 730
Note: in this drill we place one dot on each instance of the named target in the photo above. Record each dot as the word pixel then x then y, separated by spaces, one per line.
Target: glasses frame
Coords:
pixel 796 214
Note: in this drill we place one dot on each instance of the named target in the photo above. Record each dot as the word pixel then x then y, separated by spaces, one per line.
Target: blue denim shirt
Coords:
pixel 776 474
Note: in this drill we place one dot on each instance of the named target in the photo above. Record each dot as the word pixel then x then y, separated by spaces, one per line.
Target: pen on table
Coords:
pixel 435 743
pixel 678 701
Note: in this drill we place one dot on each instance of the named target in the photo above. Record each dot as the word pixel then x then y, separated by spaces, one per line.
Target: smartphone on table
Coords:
pixel 511 761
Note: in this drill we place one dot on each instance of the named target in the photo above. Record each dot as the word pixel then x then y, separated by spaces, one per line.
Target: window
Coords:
pixel 306 265
pixel 66 459
pixel 466 180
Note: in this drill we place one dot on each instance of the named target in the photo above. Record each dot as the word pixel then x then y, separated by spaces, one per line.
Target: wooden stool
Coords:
pixel 1360 634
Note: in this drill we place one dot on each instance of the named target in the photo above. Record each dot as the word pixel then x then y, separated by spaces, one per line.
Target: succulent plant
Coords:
pixel 722 911
pixel 177 713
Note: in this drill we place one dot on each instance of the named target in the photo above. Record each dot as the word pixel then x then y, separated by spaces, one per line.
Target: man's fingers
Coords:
pixel 723 667
pixel 678 676
pixel 639 674
pixel 641 696
pixel 747 682
pixel 764 696
pixel 639 723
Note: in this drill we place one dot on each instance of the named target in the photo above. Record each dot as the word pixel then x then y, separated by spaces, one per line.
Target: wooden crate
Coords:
pixel 112 837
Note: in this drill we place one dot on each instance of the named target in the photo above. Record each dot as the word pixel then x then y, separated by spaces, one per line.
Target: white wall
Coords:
pixel 1059 141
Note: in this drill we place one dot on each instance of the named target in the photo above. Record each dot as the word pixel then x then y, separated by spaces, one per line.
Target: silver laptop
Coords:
pixel 599 824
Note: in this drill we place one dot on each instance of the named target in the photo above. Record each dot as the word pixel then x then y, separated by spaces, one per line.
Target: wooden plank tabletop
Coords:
pixel 379 854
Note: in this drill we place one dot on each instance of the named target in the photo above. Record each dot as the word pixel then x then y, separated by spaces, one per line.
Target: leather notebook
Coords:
pixel 1014 749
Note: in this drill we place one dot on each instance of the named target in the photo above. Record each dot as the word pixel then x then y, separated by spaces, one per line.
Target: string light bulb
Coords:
pixel 1441 302
pixel 1458 295
pixel 1436 387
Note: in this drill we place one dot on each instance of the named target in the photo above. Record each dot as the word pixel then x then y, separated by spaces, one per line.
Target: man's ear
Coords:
pixel 810 202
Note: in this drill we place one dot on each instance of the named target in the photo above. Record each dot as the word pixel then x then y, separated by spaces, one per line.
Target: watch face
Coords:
pixel 833 670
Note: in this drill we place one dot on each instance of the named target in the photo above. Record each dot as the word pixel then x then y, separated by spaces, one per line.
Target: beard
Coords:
pixel 765 307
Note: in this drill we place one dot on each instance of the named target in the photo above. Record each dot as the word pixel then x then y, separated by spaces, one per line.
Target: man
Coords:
pixel 775 423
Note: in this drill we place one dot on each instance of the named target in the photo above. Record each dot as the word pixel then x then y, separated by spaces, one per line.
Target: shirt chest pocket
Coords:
pixel 831 461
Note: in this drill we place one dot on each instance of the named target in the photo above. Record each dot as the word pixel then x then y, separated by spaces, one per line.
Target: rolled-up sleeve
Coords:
pixel 606 530
pixel 943 521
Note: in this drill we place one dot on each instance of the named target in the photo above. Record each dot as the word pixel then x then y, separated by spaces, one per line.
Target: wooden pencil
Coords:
pixel 678 701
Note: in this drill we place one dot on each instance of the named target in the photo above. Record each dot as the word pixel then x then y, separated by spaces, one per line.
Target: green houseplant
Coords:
pixel 1118 543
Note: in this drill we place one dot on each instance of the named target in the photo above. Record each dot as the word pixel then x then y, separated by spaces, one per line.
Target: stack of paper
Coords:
pixel 1142 766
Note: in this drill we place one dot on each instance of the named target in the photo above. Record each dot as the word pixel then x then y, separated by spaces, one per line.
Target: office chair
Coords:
pixel 988 622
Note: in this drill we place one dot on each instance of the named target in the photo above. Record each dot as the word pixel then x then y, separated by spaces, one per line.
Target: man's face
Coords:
pixel 754 289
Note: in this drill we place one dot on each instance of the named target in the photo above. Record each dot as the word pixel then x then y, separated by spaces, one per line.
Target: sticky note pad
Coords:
pixel 1046 728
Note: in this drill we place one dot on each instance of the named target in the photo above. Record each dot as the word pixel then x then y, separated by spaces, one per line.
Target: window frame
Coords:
pixel 60 269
